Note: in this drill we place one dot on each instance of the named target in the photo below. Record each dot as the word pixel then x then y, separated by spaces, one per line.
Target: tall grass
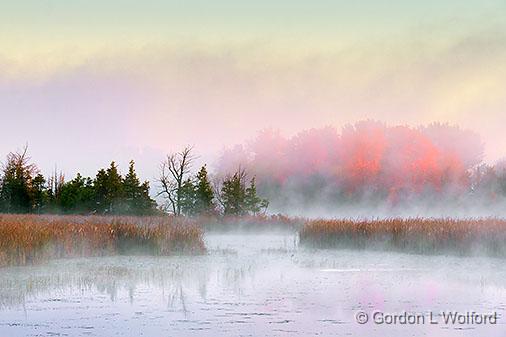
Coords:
pixel 28 239
pixel 416 235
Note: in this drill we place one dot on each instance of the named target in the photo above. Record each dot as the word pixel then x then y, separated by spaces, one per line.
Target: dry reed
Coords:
pixel 28 239
pixel 415 235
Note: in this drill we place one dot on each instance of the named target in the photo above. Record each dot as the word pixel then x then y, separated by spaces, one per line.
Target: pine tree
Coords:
pixel 145 205
pixel 253 203
pixel 237 199
pixel 187 198
pixel 108 186
pixel 203 193
pixel 16 189
pixel 233 194
pixel 100 191
pixel 78 196
pixel 136 195
pixel 39 193
pixel 131 183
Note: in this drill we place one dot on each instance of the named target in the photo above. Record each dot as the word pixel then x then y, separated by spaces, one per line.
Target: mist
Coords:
pixel 371 169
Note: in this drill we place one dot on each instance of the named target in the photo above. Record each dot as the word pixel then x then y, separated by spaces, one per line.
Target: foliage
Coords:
pixel 187 197
pixel 24 190
pixel 233 194
pixel 17 189
pixel 196 196
pixel 78 195
pixel 368 160
pixel 204 195
pixel 136 194
pixel 239 199
pixel 253 203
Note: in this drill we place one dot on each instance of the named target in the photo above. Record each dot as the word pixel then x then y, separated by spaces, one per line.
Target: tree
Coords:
pixel 54 187
pixel 204 195
pixel 187 198
pixel 78 196
pixel 174 172
pixel 253 203
pixel 100 190
pixel 233 194
pixel 238 199
pixel 137 200
pixel 40 196
pixel 501 180
pixel 16 189
pixel 108 186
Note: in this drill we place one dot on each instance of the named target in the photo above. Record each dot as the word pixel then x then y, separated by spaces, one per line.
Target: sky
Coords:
pixel 86 82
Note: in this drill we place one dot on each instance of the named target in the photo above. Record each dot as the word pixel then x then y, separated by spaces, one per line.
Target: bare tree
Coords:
pixel 55 184
pixel 173 172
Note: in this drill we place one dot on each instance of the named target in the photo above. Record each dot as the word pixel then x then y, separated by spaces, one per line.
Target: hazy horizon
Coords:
pixel 87 83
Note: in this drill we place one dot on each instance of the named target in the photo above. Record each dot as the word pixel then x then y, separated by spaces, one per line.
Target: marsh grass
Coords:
pixel 414 235
pixel 30 239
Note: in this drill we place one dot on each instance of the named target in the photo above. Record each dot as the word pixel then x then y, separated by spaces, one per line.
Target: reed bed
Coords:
pixel 29 239
pixel 414 235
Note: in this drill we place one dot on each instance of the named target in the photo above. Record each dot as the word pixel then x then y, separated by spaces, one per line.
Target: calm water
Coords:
pixel 250 285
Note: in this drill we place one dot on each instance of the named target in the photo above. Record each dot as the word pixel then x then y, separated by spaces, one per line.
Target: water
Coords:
pixel 250 285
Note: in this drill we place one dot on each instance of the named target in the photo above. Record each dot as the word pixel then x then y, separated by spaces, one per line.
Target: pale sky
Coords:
pixel 87 82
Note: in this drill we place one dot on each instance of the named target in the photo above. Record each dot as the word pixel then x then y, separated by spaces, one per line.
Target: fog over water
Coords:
pixel 249 285
pixel 371 169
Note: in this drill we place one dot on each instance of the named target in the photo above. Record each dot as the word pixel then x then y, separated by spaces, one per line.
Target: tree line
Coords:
pixel 188 194
pixel 23 189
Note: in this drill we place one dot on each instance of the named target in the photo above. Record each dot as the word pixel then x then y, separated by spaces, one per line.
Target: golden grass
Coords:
pixel 417 235
pixel 28 239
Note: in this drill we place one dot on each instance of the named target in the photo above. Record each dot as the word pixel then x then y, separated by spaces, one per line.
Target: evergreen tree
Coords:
pixel 40 196
pixel 233 194
pixel 131 183
pixel 145 205
pixel 24 190
pixel 16 193
pixel 203 193
pixel 253 203
pixel 100 191
pixel 78 196
pixel 136 195
pixel 108 187
pixel 187 198
pixel 114 187
pixel 501 177
pixel 237 199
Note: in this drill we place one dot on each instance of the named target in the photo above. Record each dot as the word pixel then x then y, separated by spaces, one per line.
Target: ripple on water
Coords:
pixel 252 285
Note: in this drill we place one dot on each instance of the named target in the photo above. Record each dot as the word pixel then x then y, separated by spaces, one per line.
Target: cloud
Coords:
pixel 162 97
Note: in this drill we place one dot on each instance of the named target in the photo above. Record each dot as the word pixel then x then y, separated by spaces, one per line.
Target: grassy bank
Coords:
pixel 29 239
pixel 415 235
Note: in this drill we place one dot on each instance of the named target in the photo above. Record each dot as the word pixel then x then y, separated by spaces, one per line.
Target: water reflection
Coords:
pixel 247 285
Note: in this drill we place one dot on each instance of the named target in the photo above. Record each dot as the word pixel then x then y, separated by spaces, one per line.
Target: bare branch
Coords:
pixel 172 175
